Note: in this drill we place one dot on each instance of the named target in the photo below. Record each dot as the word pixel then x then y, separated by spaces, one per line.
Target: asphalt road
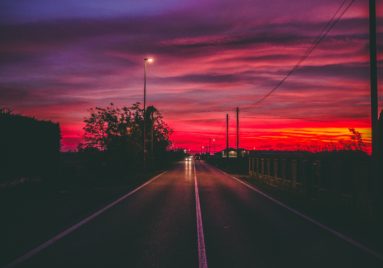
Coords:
pixel 196 216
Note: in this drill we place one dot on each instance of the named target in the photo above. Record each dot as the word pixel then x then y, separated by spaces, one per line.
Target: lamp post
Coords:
pixel 209 148
pixel 146 61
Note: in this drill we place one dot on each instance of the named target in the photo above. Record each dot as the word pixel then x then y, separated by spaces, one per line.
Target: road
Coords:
pixel 196 216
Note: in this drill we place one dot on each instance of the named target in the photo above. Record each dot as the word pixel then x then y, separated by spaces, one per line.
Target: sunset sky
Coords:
pixel 60 58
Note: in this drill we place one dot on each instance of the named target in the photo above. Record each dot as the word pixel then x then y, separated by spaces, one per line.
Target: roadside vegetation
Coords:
pixel 43 190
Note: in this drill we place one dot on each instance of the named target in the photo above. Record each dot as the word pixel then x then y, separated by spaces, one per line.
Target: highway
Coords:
pixel 196 216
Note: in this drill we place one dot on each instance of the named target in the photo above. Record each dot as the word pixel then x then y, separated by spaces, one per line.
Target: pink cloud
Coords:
pixel 204 68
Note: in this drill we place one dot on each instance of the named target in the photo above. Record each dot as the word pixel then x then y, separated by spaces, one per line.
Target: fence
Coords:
pixel 343 178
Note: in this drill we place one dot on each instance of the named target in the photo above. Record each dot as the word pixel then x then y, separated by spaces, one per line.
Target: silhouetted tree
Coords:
pixel 159 131
pixel 357 142
pixel 119 133
pixel 107 125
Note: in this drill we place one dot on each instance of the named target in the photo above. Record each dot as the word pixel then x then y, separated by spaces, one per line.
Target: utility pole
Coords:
pixel 377 181
pixel 227 136
pixel 237 110
pixel 373 80
pixel 146 60
pixel 152 137
pixel 209 146
pixel 144 114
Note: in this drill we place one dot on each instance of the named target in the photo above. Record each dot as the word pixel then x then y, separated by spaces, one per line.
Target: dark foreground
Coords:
pixel 157 227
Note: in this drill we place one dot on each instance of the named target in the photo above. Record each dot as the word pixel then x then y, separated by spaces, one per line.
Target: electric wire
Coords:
pixel 329 26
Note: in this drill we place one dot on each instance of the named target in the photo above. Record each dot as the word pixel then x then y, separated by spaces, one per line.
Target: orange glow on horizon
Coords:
pixel 204 68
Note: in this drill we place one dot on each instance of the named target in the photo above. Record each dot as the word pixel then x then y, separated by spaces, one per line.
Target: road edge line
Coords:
pixel 202 259
pixel 315 222
pixel 74 227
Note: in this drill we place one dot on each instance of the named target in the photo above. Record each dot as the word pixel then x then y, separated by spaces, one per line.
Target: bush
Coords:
pixel 29 147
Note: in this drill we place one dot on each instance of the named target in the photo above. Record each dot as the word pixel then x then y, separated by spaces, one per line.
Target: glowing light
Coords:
pixel 149 60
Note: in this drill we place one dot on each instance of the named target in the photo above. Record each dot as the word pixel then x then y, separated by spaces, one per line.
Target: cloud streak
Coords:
pixel 56 64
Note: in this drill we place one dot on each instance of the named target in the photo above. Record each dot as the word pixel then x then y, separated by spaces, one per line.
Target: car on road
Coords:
pixel 189 158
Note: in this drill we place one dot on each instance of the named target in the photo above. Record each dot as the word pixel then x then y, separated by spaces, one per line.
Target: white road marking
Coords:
pixel 202 259
pixel 71 229
pixel 315 222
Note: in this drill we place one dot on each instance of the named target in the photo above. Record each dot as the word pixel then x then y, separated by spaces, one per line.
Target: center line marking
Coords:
pixel 202 260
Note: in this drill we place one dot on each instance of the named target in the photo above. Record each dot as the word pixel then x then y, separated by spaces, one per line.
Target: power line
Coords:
pixel 339 13
pixel 328 27
pixel 285 118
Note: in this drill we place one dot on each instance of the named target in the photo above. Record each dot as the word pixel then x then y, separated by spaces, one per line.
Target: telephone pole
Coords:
pixel 373 80
pixel 237 110
pixel 152 137
pixel 377 181
pixel 227 136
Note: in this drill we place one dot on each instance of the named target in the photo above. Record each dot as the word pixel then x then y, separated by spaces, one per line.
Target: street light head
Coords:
pixel 149 60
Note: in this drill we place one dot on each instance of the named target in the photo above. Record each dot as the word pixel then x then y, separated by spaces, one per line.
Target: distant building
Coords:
pixel 233 153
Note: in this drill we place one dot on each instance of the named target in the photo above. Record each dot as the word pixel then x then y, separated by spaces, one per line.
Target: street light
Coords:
pixel 146 60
